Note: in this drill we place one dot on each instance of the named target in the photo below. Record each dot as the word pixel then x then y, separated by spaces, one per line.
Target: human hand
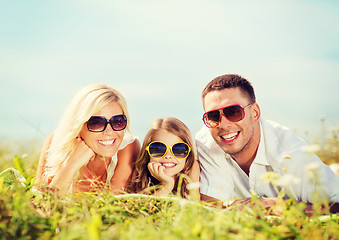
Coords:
pixel 269 204
pixel 158 171
pixel 81 155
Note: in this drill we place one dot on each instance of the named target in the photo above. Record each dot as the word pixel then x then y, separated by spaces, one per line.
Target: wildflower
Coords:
pixel 193 185
pixel 182 202
pixel 270 177
pixel 24 155
pixel 311 148
pixel 311 169
pixel 288 179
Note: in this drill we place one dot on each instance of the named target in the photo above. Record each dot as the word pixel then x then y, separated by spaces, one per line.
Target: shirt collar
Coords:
pixel 260 158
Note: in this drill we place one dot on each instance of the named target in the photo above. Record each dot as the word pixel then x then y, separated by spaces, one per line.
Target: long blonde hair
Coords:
pixel 141 177
pixel 85 103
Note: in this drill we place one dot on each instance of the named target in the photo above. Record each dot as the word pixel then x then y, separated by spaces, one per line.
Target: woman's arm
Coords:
pixel 42 161
pixel 65 175
pixel 126 159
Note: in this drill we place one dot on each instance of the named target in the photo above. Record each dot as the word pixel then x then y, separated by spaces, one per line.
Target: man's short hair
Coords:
pixel 230 81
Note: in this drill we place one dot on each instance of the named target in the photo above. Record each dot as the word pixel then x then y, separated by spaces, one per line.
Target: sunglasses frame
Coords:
pixel 221 112
pixel 168 147
pixel 108 121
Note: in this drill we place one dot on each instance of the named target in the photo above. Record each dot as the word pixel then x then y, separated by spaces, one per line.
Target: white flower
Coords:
pixel 288 179
pixel 287 157
pixel 193 185
pixel 182 202
pixel 24 155
pixel 311 169
pixel 311 148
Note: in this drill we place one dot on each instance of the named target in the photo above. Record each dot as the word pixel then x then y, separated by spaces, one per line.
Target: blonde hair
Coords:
pixel 141 177
pixel 85 103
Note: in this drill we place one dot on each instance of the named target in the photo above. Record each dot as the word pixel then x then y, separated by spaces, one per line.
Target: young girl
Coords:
pixel 168 153
pixel 90 148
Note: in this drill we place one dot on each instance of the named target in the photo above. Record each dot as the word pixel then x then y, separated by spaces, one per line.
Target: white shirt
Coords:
pixel 128 139
pixel 280 154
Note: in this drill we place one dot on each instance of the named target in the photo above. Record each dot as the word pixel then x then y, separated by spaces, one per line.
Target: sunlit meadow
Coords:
pixel 102 215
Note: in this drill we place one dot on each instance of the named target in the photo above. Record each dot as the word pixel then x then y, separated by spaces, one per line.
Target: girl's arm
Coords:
pixel 167 182
pixel 126 159
pixel 194 175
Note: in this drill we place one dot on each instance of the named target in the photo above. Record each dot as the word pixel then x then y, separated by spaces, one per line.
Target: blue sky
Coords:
pixel 161 54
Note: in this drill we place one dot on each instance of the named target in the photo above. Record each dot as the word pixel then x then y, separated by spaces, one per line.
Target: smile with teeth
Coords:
pixel 168 164
pixel 230 136
pixel 107 142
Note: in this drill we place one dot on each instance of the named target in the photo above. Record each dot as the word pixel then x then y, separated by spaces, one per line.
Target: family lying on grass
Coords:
pixel 92 148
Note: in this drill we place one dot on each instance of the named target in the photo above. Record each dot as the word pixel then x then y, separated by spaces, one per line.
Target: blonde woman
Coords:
pixel 168 153
pixel 92 147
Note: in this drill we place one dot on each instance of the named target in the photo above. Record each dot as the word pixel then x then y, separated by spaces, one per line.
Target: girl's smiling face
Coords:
pixel 171 164
pixel 104 143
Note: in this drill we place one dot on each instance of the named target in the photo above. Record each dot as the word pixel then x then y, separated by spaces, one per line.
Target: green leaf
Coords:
pixel 19 165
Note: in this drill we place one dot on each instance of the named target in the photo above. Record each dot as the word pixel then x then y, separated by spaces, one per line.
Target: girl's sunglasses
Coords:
pixel 234 113
pixel 99 123
pixel 159 149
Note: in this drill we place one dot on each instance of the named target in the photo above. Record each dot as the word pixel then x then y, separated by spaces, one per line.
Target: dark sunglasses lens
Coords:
pixel 212 118
pixel 157 149
pixel 96 124
pixel 119 122
pixel 180 150
pixel 234 113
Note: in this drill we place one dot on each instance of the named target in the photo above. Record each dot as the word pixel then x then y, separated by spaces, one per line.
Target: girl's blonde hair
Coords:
pixel 141 177
pixel 85 103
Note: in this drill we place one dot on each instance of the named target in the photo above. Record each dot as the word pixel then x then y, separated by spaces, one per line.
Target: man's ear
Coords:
pixel 256 111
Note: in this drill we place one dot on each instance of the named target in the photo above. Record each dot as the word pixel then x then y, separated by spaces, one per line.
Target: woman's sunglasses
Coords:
pixel 159 149
pixel 234 113
pixel 99 123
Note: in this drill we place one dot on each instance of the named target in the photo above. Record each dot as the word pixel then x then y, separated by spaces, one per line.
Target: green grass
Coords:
pixel 102 215
pixel 105 216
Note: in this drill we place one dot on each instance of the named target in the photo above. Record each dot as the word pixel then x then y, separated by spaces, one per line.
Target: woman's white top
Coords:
pixel 128 139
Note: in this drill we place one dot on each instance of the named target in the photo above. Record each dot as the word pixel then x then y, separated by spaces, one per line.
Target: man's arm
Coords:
pixel 215 202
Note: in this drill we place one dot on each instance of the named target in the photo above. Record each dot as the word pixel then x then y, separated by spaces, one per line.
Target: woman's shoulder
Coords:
pixel 127 140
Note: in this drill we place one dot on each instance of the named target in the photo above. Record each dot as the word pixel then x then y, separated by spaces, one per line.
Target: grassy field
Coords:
pixel 101 215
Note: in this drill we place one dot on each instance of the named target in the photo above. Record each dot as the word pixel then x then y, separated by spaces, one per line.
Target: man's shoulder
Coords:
pixel 206 145
pixel 203 138
pixel 276 133
pixel 282 145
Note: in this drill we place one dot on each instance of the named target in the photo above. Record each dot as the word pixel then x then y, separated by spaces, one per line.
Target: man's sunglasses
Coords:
pixel 159 149
pixel 234 113
pixel 99 123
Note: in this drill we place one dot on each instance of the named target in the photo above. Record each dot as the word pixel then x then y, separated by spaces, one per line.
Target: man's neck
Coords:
pixel 244 163
pixel 246 157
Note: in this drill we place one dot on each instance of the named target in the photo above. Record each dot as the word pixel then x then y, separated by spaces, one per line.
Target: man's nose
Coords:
pixel 224 122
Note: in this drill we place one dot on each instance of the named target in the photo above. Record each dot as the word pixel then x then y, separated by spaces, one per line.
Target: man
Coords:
pixel 238 148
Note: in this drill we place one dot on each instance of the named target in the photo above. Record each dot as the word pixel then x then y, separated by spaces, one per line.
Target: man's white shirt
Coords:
pixel 300 172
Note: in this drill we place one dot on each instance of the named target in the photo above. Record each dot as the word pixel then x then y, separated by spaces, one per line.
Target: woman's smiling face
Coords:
pixel 104 143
